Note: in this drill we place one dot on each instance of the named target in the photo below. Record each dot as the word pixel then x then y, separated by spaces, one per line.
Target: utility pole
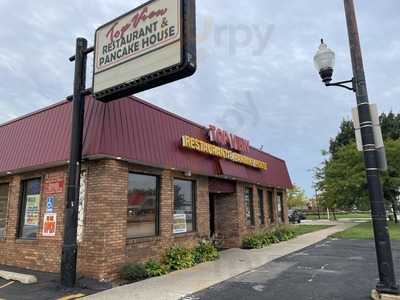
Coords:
pixel 387 281
pixel 69 251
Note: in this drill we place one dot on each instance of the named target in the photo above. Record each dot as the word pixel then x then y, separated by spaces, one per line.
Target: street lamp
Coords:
pixel 324 61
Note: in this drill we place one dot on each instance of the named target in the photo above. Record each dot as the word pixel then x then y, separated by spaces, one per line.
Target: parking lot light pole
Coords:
pixel 324 61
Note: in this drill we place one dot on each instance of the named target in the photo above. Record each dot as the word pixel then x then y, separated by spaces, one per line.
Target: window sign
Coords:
pixel 179 223
pixel 32 210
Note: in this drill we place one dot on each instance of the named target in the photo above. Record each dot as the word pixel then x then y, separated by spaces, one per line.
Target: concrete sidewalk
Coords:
pixel 232 262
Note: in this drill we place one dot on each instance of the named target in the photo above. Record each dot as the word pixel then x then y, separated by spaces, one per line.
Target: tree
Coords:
pixel 344 137
pixel 297 197
pixel 391 178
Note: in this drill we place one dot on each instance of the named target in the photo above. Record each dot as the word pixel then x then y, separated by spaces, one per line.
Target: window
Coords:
pixel 30 208
pixel 271 207
pixel 248 206
pixel 142 220
pixel 3 208
pixel 261 205
pixel 280 206
pixel 184 206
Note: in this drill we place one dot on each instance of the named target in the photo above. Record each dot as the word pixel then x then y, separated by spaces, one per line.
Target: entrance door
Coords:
pixel 212 214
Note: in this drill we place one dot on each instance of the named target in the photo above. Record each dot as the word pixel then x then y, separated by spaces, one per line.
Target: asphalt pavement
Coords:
pixel 47 288
pixel 329 270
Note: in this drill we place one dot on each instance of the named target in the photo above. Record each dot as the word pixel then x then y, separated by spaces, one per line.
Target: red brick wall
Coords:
pixel 105 247
pixel 44 252
pixel 142 249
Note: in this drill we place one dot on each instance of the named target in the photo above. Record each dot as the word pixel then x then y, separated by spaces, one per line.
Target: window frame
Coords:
pixel 261 206
pixel 194 204
pixel 271 207
pixel 251 203
pixel 158 199
pixel 22 208
pixel 2 238
pixel 279 200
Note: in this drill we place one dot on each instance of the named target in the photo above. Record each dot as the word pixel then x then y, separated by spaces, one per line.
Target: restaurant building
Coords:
pixel 150 180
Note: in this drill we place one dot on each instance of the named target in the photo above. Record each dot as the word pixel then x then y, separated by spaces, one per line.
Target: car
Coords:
pixel 295 216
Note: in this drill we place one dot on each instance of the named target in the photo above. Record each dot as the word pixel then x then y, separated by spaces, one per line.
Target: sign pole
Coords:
pixel 69 251
pixel 387 280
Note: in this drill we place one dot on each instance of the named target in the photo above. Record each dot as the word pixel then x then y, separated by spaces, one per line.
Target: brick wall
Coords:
pixel 105 247
pixel 43 253
pixel 142 249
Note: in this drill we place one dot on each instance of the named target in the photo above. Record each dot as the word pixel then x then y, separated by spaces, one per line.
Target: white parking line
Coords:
pixel 7 284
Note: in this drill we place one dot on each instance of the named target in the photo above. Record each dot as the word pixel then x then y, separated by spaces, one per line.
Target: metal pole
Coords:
pixel 387 281
pixel 69 251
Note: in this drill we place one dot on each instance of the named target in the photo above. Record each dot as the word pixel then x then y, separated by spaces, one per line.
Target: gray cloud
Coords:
pixel 296 115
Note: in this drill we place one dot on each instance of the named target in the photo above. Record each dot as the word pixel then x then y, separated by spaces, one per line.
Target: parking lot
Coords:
pixel 47 288
pixel 330 270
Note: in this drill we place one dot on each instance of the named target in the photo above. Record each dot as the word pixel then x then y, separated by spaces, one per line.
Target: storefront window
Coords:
pixel 261 205
pixel 30 208
pixel 3 208
pixel 142 206
pixel 271 207
pixel 248 206
pixel 279 201
pixel 184 206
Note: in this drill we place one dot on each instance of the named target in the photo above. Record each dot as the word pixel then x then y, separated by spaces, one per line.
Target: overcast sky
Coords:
pixel 255 71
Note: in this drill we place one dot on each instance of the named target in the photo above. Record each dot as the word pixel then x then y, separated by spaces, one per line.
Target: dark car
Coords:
pixel 295 216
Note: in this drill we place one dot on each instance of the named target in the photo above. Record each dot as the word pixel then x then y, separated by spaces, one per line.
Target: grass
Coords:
pixel 303 229
pixel 324 216
pixel 364 232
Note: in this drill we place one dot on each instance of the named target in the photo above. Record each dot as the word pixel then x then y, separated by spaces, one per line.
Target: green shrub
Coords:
pixel 178 258
pixel 253 241
pixel 264 238
pixel 133 272
pixel 284 234
pixel 154 269
pixel 204 252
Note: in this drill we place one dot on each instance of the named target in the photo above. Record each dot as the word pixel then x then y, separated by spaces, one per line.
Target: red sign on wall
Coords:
pixel 226 139
pixel 54 186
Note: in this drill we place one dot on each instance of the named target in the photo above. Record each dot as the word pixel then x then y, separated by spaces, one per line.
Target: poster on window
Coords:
pixel 32 210
pixel 49 224
pixel 179 223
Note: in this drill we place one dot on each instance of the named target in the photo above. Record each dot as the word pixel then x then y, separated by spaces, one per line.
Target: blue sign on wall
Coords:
pixel 50 203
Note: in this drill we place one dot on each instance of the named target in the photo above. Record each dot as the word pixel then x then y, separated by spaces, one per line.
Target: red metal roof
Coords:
pixel 128 128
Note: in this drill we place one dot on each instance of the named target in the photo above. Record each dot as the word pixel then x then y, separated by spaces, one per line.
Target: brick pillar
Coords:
pixel 166 204
pixel 102 251
pixel 202 208
pixel 285 207
pixel 275 202
pixel 256 207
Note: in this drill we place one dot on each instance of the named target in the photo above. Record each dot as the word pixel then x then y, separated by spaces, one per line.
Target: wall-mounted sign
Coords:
pixel 226 139
pixel 210 149
pixel 179 225
pixel 55 186
pixel 49 224
pixel 150 46
pixel 50 204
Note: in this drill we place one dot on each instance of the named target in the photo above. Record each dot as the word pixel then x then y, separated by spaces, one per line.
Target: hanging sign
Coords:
pixel 49 224
pixel 150 46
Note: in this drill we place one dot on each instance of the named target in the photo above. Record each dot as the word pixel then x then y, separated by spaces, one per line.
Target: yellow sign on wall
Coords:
pixel 201 146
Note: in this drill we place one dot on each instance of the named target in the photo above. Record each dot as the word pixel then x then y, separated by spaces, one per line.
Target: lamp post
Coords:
pixel 324 61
